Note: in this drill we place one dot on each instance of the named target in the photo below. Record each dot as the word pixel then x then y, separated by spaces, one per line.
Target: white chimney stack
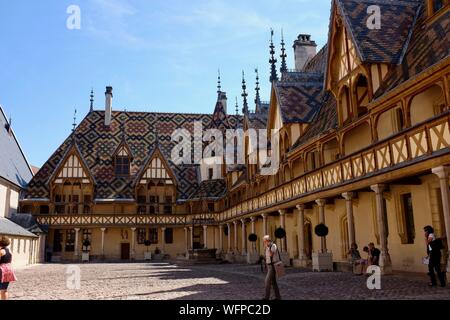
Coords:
pixel 304 50
pixel 108 105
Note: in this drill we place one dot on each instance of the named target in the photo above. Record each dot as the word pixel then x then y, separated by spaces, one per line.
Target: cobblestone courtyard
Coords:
pixel 208 282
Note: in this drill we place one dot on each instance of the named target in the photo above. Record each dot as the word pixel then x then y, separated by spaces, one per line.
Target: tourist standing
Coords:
pixel 6 271
pixel 272 256
pixel 434 247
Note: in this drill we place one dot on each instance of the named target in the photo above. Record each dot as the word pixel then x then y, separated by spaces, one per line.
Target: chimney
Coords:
pixel 304 50
pixel 108 105
pixel 223 99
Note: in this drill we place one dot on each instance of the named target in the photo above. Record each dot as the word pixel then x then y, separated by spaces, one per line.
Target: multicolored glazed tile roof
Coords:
pixel 97 143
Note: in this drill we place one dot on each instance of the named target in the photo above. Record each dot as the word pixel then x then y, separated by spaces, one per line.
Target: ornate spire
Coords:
pixel 74 124
pixel 92 100
pixel 257 97
pixel 237 107
pixel 244 95
pixel 219 84
pixel 283 55
pixel 272 61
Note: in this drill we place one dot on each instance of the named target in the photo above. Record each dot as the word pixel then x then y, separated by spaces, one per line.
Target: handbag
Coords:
pixel 279 266
pixel 426 260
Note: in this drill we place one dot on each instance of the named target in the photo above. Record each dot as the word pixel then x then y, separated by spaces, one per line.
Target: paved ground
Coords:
pixel 209 282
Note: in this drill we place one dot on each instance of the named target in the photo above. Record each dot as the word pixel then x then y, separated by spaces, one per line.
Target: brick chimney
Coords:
pixel 108 105
pixel 304 50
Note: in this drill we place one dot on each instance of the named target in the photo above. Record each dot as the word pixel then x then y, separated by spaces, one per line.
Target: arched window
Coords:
pixel 330 151
pixel 390 122
pixel 357 138
pixel 427 104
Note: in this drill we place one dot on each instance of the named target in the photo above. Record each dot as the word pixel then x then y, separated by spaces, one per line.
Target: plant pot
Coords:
pixel 147 256
pixel 322 261
pixel 85 256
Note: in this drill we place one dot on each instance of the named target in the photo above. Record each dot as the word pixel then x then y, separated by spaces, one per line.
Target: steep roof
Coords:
pixel 429 44
pixel 97 144
pixel 7 227
pixel 384 45
pixel 209 189
pixel 13 164
pixel 299 96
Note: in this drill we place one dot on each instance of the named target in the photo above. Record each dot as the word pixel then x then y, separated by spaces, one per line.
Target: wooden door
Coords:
pixel 125 251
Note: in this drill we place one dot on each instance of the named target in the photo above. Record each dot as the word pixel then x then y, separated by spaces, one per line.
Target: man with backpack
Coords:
pixel 272 256
pixel 434 247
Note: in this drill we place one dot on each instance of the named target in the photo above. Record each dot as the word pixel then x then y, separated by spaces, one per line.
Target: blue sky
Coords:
pixel 159 55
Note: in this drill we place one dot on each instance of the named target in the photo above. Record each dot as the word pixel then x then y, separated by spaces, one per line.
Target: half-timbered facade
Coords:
pixel 364 148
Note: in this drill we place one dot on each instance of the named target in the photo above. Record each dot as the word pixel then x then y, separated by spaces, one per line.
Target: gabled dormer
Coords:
pixel 362 50
pixel 72 185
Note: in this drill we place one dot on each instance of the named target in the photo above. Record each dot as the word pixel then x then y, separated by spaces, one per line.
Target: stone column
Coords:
pixel 76 249
pixel 443 173
pixel 163 239
pixel 186 240
pixel 192 238
pixel 133 243
pixel 244 238
pixel 220 239
pixel 253 220
pixel 235 238
pixel 205 236
pixel 283 225
pixel 302 258
pixel 229 237
pixel 264 216
pixel 321 204
pixel 348 196
pixel 385 259
pixel 103 241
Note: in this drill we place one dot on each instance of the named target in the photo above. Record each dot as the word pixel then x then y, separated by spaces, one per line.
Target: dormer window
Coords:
pixel 122 162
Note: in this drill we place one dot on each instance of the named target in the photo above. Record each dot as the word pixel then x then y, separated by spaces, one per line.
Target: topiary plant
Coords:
pixel 280 233
pixel 252 237
pixel 321 230
pixel 147 243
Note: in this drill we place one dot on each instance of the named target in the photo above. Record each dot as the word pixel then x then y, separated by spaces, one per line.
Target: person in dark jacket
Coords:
pixel 434 247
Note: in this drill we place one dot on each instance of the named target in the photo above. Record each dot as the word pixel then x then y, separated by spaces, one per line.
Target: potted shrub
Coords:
pixel 85 250
pixel 322 261
pixel 147 254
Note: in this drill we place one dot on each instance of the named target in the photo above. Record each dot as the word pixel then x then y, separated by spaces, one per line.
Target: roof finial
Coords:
pixel 92 100
pixel 237 107
pixel 74 124
pixel 219 84
pixel 283 55
pixel 272 61
pixel 244 95
pixel 257 97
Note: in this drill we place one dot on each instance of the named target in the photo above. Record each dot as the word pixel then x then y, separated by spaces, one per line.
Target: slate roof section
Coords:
pixel 13 164
pixel 299 96
pixel 384 45
pixel 429 44
pixel 9 228
pixel 323 122
pixel 318 63
pixel 258 120
pixel 210 189
pixel 97 144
